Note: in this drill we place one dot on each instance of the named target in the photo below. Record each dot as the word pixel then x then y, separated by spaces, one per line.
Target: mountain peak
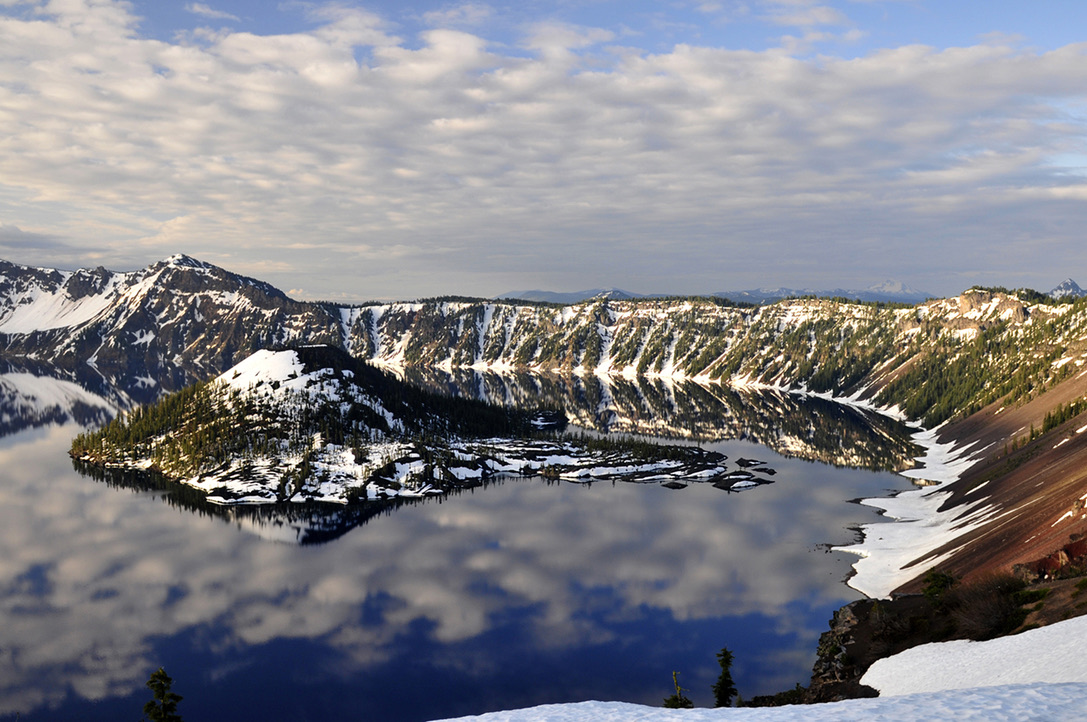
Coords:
pixel 184 261
pixel 571 297
pixel 892 286
pixel 1067 289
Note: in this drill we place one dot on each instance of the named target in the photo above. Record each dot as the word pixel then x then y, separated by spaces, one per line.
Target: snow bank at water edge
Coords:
pixel 918 526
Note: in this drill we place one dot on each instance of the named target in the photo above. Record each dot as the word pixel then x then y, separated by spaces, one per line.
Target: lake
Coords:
pixel 522 592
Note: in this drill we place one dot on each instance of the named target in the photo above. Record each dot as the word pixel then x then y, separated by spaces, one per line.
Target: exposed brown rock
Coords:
pixel 1036 487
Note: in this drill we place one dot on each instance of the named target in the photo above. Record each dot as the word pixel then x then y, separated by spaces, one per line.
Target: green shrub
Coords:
pixel 1030 596
pixel 678 700
pixel 986 608
pixel 937 585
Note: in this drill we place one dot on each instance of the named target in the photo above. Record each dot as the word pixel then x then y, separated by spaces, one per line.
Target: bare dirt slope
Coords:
pixel 1036 487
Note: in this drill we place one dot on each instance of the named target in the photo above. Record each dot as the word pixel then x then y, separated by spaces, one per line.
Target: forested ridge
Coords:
pixel 934 362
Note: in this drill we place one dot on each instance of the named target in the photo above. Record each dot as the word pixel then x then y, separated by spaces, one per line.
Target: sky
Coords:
pixel 349 151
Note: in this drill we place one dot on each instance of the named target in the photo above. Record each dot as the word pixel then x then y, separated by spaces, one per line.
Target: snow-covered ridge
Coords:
pixel 174 322
pixel 35 299
pixel 183 314
pixel 40 308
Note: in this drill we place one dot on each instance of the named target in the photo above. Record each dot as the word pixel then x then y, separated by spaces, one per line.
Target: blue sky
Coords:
pixel 388 150
pixel 853 27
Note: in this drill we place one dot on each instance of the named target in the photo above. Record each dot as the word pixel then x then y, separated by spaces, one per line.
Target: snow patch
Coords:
pixel 42 310
pixel 1042 657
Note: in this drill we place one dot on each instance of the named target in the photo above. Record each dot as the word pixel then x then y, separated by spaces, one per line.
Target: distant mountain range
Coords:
pixel 886 292
pixel 570 297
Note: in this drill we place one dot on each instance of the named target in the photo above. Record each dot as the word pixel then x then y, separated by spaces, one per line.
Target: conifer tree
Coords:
pixel 163 708
pixel 724 689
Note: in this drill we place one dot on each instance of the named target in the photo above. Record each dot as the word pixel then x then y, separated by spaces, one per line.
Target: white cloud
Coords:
pixel 803 13
pixel 468 14
pixel 560 37
pixel 699 158
pixel 207 11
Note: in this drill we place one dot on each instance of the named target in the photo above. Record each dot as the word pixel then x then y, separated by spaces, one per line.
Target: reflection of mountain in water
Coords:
pixel 34 394
pixel 31 396
pixel 293 523
pixel 792 424
pixel 796 425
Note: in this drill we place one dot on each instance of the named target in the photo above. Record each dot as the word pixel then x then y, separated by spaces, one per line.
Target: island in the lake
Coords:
pixel 313 424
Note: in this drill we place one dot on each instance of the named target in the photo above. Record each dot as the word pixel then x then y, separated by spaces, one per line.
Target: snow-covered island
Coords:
pixel 312 424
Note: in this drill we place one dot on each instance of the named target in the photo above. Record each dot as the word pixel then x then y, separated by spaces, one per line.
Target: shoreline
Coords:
pixel 915 525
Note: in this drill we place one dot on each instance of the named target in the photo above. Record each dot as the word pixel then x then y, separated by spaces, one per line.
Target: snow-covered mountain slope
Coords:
pixel 33 299
pixel 933 361
pixel 1067 289
pixel 172 323
pixel 822 344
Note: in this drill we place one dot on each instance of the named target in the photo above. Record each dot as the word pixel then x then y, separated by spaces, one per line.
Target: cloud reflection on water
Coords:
pixel 93 577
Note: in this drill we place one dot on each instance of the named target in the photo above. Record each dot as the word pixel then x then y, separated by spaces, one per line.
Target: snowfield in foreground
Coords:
pixel 948 680
pixel 1046 655
pixel 1015 703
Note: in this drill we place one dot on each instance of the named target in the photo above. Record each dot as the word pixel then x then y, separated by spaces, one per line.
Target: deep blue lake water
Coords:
pixel 521 593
